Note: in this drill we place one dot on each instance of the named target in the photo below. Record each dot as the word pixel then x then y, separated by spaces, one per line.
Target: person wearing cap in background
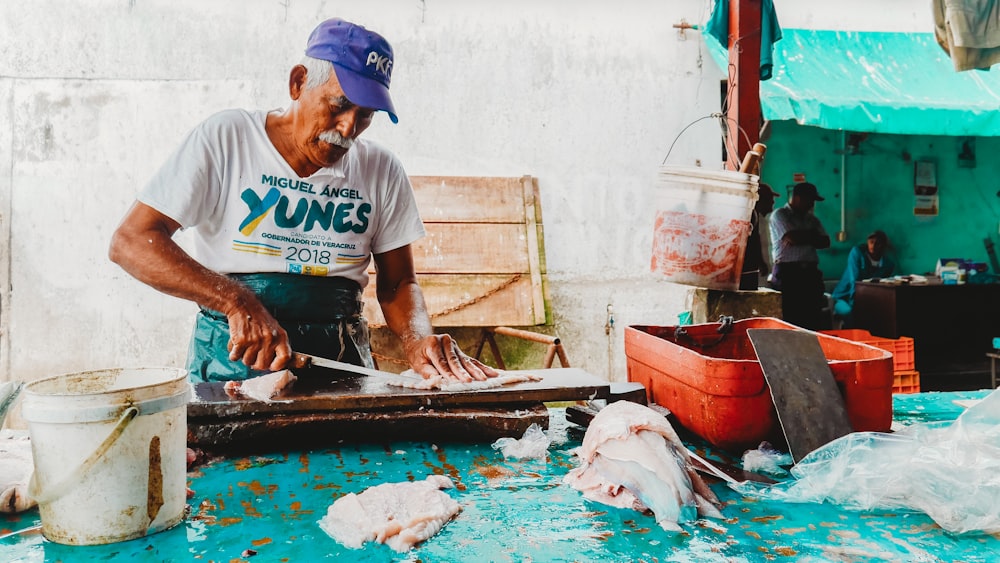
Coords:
pixel 796 235
pixel 287 209
pixel 865 261
pixel 756 258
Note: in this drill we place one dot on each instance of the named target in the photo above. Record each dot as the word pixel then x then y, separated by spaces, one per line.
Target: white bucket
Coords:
pixel 702 225
pixel 109 449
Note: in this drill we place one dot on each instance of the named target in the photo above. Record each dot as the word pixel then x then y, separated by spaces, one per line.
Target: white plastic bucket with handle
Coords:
pixel 701 226
pixel 110 453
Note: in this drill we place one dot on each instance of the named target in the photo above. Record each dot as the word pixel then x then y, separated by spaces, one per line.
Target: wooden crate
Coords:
pixel 482 263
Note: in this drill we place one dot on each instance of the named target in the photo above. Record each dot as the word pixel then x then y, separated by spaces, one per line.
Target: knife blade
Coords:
pixel 301 360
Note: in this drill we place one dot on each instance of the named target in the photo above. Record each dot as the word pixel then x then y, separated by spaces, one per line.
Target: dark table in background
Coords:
pixel 952 326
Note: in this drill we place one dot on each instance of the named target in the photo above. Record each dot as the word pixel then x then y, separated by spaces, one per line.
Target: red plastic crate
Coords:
pixel 901 348
pixel 715 386
pixel 906 382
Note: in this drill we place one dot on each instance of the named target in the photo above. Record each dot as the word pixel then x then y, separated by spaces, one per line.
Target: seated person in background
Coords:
pixel 864 262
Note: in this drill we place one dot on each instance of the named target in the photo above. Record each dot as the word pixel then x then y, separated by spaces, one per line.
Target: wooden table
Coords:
pixel 952 326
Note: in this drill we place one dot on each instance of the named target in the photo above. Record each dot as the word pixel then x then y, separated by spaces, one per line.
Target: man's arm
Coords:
pixel 853 272
pixel 405 313
pixel 810 237
pixel 143 246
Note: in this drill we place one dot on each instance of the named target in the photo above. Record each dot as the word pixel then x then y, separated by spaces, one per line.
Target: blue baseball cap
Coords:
pixel 362 60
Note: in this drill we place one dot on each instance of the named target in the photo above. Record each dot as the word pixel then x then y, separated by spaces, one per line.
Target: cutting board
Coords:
pixel 360 393
pixel 324 410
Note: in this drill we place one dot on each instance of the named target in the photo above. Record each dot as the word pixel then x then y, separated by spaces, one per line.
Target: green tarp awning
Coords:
pixel 879 82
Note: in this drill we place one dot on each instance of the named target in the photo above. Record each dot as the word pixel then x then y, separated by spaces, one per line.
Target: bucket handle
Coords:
pixel 59 489
pixel 723 118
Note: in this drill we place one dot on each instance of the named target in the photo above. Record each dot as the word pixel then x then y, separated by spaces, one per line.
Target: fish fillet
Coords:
pixel 399 515
pixel 411 380
pixel 263 388
pixel 632 458
pixel 16 465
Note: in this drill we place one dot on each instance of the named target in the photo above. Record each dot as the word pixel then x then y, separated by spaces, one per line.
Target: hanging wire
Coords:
pixel 688 126
pixel 725 133
pixel 732 149
pixel 735 149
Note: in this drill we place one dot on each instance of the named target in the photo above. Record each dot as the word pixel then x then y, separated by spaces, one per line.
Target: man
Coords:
pixel 865 261
pixel 796 235
pixel 288 208
pixel 756 258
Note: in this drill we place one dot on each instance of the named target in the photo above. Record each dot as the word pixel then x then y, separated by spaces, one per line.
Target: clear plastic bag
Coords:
pixel 766 459
pixel 949 471
pixel 534 445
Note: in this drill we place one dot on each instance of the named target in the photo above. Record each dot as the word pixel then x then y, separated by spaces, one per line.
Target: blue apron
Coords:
pixel 322 317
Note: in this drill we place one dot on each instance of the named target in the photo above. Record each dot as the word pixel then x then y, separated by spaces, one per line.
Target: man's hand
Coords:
pixel 143 246
pixel 256 339
pixel 439 354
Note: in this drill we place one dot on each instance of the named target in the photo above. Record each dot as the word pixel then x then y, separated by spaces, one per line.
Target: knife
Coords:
pixel 300 360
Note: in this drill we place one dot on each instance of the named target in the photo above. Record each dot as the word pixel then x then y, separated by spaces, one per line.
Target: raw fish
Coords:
pixel 263 388
pixel 16 465
pixel 400 515
pixel 632 458
pixel 411 380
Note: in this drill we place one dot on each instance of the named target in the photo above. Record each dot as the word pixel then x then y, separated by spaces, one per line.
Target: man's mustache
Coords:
pixel 335 138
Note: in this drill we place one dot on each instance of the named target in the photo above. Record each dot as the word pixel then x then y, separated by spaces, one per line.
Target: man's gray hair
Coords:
pixel 317 71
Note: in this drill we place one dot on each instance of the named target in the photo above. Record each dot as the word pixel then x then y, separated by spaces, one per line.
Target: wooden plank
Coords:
pixel 470 301
pixel 312 430
pixel 482 262
pixel 468 199
pixel 343 392
pixel 473 248
pixel 534 243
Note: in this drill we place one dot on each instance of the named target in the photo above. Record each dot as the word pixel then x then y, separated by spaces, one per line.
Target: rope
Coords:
pixel 475 300
pixel 390 359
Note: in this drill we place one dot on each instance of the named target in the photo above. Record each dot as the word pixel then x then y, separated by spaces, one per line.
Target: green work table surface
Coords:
pixel 511 511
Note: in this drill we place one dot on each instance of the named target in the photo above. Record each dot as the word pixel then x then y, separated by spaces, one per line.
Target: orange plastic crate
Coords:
pixel 906 382
pixel 714 384
pixel 901 348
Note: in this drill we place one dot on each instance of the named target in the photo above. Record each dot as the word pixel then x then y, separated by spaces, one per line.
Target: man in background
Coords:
pixel 796 235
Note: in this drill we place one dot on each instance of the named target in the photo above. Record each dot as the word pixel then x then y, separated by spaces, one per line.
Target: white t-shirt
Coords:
pixel 250 212
pixel 783 220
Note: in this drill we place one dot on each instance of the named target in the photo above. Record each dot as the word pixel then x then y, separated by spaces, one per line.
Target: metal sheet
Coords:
pixel 810 407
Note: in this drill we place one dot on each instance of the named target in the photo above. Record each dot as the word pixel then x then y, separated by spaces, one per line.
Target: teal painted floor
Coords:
pixel 511 511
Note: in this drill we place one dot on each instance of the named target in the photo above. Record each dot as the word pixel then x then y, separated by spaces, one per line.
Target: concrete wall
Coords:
pixel 585 95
